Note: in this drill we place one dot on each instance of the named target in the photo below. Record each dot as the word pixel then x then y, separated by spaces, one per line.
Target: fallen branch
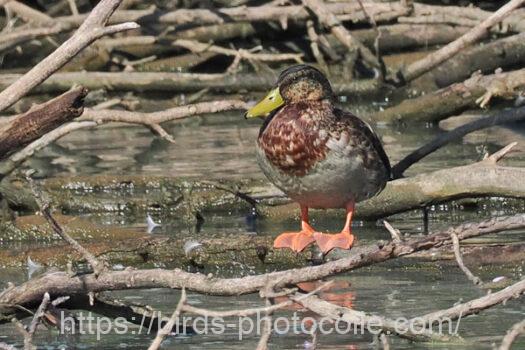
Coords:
pixel 512 334
pixel 61 283
pixel 29 14
pixel 339 31
pixel 346 11
pixel 397 37
pixel 502 53
pixel 417 68
pixel 473 92
pixel 92 29
pixel 21 35
pixel 177 82
pixel 481 179
pixel 473 306
pixel 463 15
pixel 171 323
pixel 98 266
pixel 504 117
pixel 40 119
pixel 459 259
pixel 198 47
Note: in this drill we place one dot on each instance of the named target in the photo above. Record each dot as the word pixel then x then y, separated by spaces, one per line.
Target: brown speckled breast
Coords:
pixel 293 140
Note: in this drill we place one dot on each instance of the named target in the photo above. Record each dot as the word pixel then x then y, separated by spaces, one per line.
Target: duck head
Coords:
pixel 297 83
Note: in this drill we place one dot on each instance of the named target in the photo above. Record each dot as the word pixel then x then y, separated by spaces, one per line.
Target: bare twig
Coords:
pixel 340 32
pixel 314 45
pixel 473 306
pixel 459 259
pixel 92 29
pixel 497 156
pixel 395 233
pixel 98 266
pixel 39 313
pixel 29 14
pixel 512 334
pixel 29 333
pixel 73 7
pixel 171 323
pixel 198 47
pixel 384 341
pixel 422 66
pixel 252 311
pixel 267 320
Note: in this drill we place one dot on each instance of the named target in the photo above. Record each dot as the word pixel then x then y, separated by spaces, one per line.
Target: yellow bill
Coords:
pixel 268 104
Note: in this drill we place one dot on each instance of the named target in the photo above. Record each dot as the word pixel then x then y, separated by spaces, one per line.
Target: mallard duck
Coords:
pixel 316 153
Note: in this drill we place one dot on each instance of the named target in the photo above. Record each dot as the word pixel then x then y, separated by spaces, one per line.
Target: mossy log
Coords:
pixel 31 236
pixel 140 194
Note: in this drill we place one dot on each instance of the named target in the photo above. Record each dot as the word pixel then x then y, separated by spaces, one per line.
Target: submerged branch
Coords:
pixel 61 283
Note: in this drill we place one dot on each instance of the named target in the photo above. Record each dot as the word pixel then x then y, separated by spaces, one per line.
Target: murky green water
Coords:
pixel 222 146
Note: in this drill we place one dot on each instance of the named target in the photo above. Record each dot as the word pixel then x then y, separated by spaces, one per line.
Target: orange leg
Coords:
pixel 344 240
pixel 297 241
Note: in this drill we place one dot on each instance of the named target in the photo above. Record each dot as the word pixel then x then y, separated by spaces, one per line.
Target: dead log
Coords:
pixel 505 117
pixel 398 37
pixel 418 68
pixel 473 92
pixel 179 82
pixel 40 119
pixel 350 11
pixel 218 254
pixel 463 16
pixel 93 194
pixel 503 53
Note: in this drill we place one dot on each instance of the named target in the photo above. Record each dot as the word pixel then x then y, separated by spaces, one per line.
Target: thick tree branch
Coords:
pixel 422 66
pixel 92 29
pixel 61 283
pixel 499 118
pixel 39 120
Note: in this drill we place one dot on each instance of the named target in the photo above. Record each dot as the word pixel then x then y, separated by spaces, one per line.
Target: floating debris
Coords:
pixel 118 267
pixel 151 224
pixel 498 279
pixel 191 245
pixel 32 267
pixel 308 345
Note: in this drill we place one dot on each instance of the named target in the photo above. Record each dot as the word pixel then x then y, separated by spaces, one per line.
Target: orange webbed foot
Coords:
pixel 327 242
pixel 296 241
